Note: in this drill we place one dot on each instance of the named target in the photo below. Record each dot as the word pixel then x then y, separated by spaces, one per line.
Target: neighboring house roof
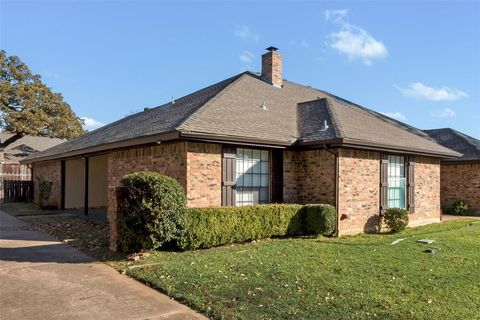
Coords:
pixel 246 109
pixel 26 146
pixel 458 141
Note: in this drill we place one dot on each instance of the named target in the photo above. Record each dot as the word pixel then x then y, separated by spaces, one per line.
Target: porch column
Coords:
pixel 62 174
pixel 85 206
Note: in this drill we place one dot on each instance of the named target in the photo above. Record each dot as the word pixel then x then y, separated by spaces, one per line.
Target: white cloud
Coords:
pixel 356 43
pixel 352 41
pixel 418 90
pixel 444 113
pixel 246 57
pixel 91 124
pixel 336 15
pixel 244 33
pixel 395 115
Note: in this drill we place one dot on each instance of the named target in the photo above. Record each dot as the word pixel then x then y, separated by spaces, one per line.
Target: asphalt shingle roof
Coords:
pixel 164 118
pixel 26 145
pixel 245 107
pixel 458 141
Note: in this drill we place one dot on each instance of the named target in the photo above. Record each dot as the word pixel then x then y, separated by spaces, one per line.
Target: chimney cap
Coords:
pixel 271 48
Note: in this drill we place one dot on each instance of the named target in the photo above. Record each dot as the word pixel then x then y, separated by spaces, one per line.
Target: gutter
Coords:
pixel 459 161
pixel 337 166
pixel 359 144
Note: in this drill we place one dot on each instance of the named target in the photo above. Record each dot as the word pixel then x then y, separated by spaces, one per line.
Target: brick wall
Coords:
pixel 358 191
pixel 169 159
pixel 309 177
pixel 290 191
pixel 48 171
pixel 204 174
pixel 460 182
pixel 427 191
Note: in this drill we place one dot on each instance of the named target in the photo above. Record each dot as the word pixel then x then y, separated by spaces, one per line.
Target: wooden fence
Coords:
pixel 17 191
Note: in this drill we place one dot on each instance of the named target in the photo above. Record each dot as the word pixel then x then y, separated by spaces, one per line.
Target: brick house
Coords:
pixel 459 177
pixel 258 138
pixel 11 171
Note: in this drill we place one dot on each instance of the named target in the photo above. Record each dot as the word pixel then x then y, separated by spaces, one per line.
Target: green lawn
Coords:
pixel 359 277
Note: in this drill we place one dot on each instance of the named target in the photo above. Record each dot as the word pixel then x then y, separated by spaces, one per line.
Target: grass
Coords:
pixel 358 277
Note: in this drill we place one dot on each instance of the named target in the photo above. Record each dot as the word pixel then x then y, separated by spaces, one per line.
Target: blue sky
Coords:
pixel 416 61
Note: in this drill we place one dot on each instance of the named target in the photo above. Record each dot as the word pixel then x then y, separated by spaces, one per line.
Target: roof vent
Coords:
pixel 264 106
pixel 173 100
pixel 324 127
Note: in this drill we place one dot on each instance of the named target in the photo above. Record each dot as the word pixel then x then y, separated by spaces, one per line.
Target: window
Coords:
pixel 396 182
pixel 253 177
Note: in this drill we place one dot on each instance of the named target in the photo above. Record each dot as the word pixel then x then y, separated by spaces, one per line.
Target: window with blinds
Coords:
pixel 396 194
pixel 253 177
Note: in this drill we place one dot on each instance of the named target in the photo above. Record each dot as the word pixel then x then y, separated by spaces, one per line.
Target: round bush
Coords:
pixel 319 219
pixel 396 219
pixel 152 211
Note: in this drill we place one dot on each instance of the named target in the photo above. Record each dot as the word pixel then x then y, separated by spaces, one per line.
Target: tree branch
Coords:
pixel 10 140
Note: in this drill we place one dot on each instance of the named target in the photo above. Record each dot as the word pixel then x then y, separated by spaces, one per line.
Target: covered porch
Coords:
pixel 84 186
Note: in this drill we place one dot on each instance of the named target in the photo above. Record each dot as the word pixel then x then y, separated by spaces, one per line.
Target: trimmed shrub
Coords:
pixel 152 213
pixel 396 219
pixel 319 219
pixel 209 227
pixel 460 208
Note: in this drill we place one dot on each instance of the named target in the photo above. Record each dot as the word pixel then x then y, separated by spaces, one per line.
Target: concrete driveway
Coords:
pixel 42 278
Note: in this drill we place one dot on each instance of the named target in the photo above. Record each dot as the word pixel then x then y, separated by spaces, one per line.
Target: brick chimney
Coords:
pixel 272 67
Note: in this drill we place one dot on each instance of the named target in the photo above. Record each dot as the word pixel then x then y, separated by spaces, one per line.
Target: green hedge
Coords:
pixel 319 219
pixel 209 227
pixel 152 213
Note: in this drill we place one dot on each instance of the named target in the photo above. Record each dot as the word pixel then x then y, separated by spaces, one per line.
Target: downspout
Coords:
pixel 335 153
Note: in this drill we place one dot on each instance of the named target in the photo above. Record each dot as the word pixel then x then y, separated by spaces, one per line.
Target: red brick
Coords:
pixel 48 171
pixel 460 182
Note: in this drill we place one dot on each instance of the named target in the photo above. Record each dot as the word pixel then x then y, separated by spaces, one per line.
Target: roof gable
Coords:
pixel 316 121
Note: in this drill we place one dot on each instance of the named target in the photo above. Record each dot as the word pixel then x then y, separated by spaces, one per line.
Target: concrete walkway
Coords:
pixel 447 217
pixel 42 278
